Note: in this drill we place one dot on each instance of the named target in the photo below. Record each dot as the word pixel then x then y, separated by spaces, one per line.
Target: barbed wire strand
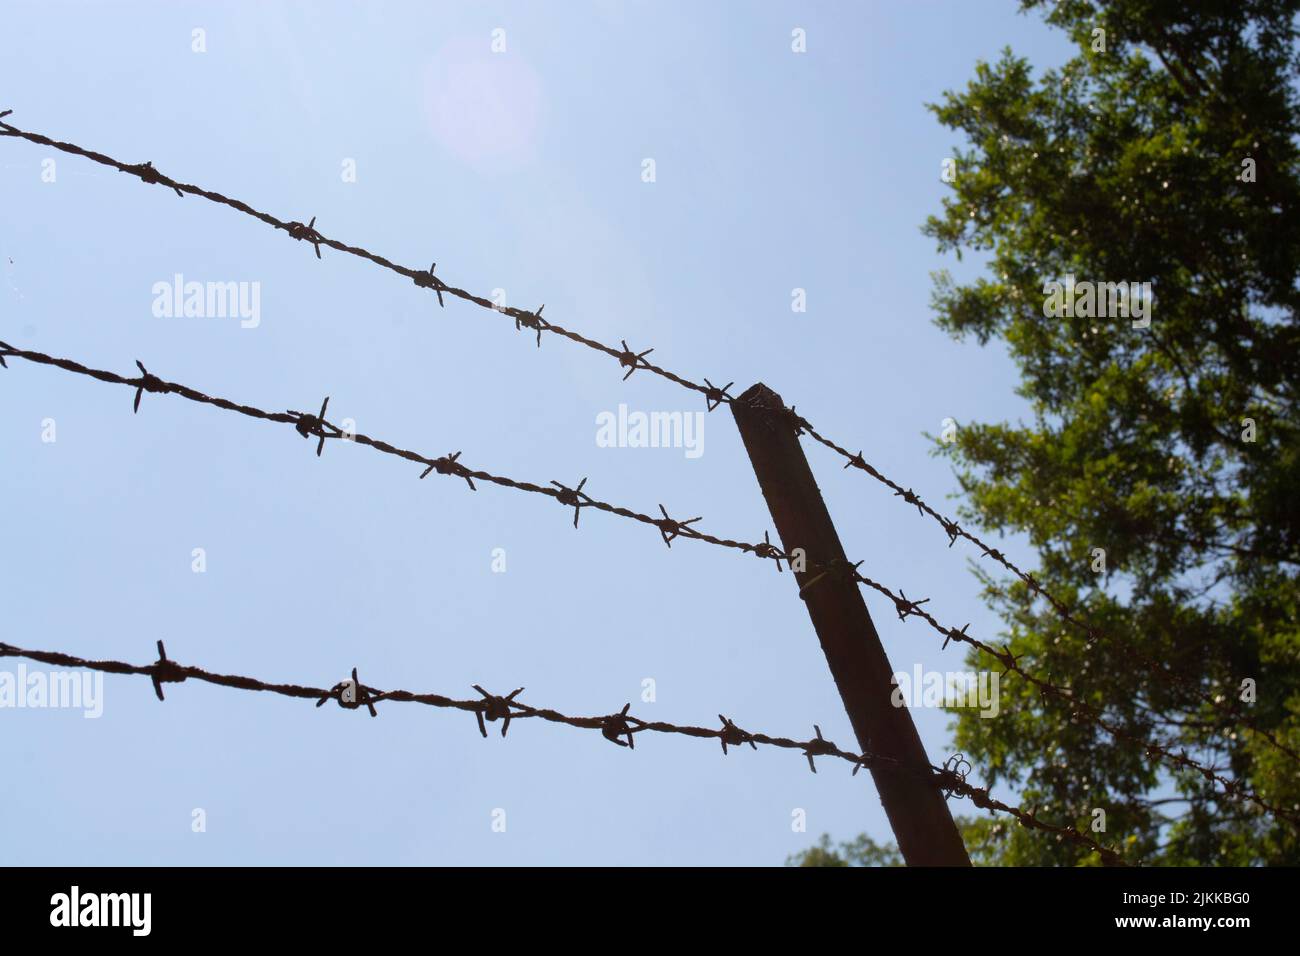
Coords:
pixel 316 426
pixel 424 278
pixel 311 425
pixel 619 728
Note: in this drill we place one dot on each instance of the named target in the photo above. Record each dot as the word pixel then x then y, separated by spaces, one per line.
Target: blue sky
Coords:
pixel 519 171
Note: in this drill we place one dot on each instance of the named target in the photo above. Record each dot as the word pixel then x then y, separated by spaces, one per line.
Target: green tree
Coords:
pixel 861 851
pixel 1165 151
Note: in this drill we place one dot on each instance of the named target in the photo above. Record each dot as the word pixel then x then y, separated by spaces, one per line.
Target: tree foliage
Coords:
pixel 860 851
pixel 1129 163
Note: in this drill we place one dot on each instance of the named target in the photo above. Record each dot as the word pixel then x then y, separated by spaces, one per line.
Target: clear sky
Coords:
pixel 520 171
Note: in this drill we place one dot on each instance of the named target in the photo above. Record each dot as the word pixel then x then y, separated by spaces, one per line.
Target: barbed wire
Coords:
pixel 316 426
pixel 423 278
pixel 309 426
pixel 632 361
pixel 619 727
pixel 1153 746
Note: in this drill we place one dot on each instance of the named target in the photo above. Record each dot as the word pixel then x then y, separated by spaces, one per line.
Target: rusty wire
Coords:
pixel 618 727
pixel 315 426
pixel 423 278
pixel 632 361
pixel 311 425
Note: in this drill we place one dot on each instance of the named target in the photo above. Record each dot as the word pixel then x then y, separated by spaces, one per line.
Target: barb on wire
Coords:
pixel 960 635
pixel 531 320
pixel 149 175
pixel 306 232
pixel 714 396
pixel 768 550
pixel 818 748
pixel 573 498
pixel 906 607
pixel 954 772
pixel 446 465
pixel 840 569
pixel 868 762
pixel 669 529
pixel 351 695
pixel 495 707
pixel 632 360
pixel 164 672
pixel 148 383
pixel 910 497
pixel 617 726
pixel 796 421
pixel 427 280
pixel 306 425
pixel 733 735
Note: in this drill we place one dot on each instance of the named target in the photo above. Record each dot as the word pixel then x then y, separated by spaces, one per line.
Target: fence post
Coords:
pixel 917 810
